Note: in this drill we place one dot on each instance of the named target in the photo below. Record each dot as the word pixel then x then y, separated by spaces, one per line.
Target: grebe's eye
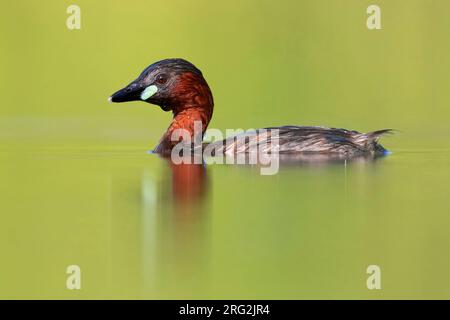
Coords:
pixel 161 78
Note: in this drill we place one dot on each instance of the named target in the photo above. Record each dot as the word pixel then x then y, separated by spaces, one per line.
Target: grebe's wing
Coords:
pixel 293 139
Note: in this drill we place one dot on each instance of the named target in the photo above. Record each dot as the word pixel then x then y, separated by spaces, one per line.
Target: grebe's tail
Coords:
pixel 370 140
pixel 375 135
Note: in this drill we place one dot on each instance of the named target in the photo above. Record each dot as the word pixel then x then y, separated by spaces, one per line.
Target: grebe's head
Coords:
pixel 172 84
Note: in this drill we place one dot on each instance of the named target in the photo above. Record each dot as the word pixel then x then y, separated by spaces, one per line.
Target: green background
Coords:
pixel 77 186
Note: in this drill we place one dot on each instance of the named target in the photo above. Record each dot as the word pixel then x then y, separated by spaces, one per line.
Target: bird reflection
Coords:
pixel 182 226
pixel 189 182
pixel 322 160
pixel 185 191
pixel 177 223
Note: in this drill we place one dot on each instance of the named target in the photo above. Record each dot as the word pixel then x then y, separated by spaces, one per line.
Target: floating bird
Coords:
pixel 177 85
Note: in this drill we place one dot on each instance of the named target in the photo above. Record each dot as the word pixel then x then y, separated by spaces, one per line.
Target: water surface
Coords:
pixel 140 227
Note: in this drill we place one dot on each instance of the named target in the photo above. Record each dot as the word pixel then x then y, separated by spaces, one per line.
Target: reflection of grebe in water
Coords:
pixel 189 182
pixel 177 85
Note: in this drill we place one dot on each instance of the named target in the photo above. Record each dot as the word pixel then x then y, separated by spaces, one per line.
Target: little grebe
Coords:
pixel 177 85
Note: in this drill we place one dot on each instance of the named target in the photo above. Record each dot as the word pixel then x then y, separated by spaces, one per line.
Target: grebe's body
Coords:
pixel 304 139
pixel 177 85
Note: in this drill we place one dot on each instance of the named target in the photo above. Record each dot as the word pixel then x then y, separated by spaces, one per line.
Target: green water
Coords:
pixel 79 188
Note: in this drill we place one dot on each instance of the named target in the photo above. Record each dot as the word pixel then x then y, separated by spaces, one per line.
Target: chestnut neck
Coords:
pixel 193 102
